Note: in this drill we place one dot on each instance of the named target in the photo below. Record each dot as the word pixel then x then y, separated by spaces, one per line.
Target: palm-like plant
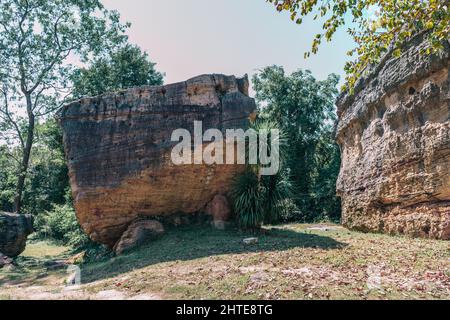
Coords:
pixel 248 200
pixel 258 199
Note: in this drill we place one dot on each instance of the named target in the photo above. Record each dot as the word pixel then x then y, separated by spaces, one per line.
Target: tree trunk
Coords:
pixel 26 155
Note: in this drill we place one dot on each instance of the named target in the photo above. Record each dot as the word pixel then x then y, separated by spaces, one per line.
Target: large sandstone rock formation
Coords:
pixel 14 230
pixel 394 133
pixel 118 148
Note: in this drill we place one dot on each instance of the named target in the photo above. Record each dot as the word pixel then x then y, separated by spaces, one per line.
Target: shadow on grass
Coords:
pixel 188 243
pixel 29 270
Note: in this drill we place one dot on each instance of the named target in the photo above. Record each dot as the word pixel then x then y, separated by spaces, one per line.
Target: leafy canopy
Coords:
pixel 394 23
pixel 124 68
pixel 37 38
pixel 303 108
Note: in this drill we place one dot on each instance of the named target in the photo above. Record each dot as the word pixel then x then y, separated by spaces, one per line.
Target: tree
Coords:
pixel 303 108
pixel 394 23
pixel 7 180
pixel 125 68
pixel 36 39
pixel 47 180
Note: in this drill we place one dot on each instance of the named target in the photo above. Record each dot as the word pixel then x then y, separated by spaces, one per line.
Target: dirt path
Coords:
pixel 53 287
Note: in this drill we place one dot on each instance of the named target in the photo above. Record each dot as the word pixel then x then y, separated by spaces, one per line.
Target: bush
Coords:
pixel 60 224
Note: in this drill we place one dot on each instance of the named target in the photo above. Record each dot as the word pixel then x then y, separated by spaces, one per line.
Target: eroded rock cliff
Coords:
pixel 394 133
pixel 118 149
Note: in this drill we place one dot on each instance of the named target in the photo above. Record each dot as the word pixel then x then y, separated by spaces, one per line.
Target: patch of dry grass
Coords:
pixel 43 250
pixel 289 262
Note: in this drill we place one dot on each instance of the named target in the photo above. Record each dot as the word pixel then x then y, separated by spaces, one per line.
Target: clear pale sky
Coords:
pixel 191 37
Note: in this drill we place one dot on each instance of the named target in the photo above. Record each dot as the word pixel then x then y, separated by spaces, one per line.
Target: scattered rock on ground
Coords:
pixel 137 233
pixel 219 209
pixel 55 264
pixel 323 227
pixel 4 260
pixel 76 259
pixel 250 240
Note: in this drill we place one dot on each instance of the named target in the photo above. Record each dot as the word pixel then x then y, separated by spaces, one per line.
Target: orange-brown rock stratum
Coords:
pixel 394 133
pixel 118 148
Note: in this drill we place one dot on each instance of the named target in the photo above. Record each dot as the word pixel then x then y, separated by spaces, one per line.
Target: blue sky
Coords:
pixel 191 37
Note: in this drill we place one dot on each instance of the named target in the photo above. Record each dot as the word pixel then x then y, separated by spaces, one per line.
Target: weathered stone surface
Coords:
pixel 118 149
pixel 219 209
pixel 394 133
pixel 14 230
pixel 5 260
pixel 137 233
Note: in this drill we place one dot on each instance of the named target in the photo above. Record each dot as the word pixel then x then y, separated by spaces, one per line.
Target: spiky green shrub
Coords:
pixel 259 199
pixel 247 199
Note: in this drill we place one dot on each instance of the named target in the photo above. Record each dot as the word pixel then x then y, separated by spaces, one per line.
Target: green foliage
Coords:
pixel 36 39
pixel 247 199
pixel 125 68
pixel 8 181
pixel 303 108
pixel 394 23
pixel 48 180
pixel 60 224
pixel 259 199
pixel 324 203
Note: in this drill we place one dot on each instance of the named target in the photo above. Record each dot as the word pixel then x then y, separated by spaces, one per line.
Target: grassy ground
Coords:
pixel 289 262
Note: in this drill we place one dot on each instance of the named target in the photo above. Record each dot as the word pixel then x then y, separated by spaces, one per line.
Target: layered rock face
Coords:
pixel 14 230
pixel 394 133
pixel 118 147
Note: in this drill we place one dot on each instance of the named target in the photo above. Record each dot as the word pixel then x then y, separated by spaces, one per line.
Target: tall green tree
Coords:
pixel 48 180
pixel 377 26
pixel 124 68
pixel 304 109
pixel 7 180
pixel 37 37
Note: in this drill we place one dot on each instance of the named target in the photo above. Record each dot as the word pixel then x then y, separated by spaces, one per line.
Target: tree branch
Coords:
pixel 10 119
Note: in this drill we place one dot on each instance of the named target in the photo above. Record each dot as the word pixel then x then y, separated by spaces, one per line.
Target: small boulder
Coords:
pixel 76 259
pixel 14 230
pixel 250 241
pixel 55 264
pixel 137 233
pixel 219 209
pixel 5 261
